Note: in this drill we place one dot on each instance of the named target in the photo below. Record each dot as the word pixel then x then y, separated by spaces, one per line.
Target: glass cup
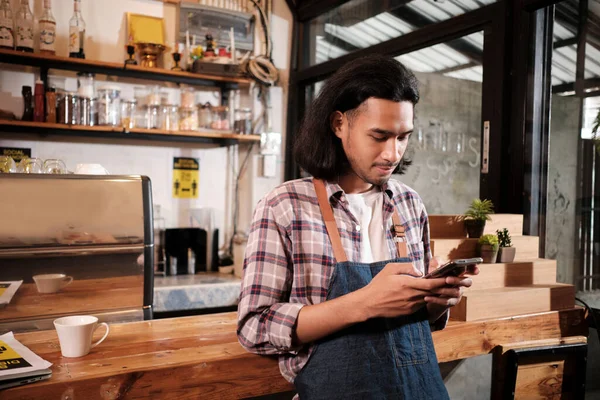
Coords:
pixel 7 165
pixel 54 166
pixel 30 166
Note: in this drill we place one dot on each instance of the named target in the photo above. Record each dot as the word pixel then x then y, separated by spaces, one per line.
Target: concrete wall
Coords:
pixel 445 145
pixel 562 185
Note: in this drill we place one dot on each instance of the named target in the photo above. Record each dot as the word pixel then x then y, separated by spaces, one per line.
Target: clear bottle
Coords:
pixel 47 30
pixel 7 35
pixel 24 28
pixel 76 32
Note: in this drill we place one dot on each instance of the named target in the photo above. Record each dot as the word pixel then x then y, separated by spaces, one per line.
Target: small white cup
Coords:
pixel 90 169
pixel 51 283
pixel 75 334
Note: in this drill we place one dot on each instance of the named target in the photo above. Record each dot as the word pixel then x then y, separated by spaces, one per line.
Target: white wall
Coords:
pixel 105 40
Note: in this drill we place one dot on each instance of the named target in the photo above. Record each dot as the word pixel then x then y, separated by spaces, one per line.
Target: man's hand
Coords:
pixel 448 295
pixel 398 290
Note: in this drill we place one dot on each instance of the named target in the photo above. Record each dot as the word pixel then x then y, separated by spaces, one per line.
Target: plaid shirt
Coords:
pixel 289 261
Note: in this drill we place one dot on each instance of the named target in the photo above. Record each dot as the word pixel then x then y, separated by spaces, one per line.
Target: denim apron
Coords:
pixel 382 358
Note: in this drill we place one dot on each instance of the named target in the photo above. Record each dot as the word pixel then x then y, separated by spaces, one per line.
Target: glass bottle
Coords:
pixel 76 32
pixel 39 97
pixel 51 105
pixel 7 36
pixel 24 28
pixel 47 30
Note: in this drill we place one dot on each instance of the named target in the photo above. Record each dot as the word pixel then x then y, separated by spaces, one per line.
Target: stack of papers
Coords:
pixel 7 291
pixel 19 365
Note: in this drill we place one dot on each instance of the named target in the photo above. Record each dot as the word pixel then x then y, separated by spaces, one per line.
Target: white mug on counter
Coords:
pixel 51 283
pixel 75 334
pixel 90 169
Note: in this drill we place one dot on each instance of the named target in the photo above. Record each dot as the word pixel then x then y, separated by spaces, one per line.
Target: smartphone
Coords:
pixel 455 268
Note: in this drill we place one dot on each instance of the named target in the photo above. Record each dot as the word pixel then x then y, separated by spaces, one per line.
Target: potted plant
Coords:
pixel 476 216
pixel 488 248
pixel 506 253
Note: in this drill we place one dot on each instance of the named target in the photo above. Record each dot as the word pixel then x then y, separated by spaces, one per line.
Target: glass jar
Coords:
pixel 88 111
pixel 109 106
pixel 242 121
pixel 154 98
pixel 164 98
pixel 128 113
pixel 188 97
pixel 85 85
pixel 153 114
pixel 205 116
pixel 170 117
pixel 141 116
pixel 220 118
pixel 67 108
pixel 140 93
pixel 30 166
pixel 7 165
pixel 188 119
pixel 54 166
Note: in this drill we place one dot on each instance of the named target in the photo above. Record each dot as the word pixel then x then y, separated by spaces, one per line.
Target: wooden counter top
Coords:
pixel 200 357
pixel 81 296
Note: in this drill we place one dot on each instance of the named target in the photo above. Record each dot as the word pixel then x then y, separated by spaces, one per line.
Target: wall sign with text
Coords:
pixel 186 177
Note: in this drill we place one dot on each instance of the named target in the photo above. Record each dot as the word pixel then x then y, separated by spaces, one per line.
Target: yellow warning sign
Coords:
pixel 186 178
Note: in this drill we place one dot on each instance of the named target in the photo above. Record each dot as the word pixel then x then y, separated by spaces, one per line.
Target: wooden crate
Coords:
pixel 517 273
pixel 513 222
pixel 452 226
pixel 513 301
pixel 527 248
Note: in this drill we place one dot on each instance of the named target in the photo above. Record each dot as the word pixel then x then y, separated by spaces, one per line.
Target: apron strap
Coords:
pixel 327 213
pixel 334 234
pixel 399 235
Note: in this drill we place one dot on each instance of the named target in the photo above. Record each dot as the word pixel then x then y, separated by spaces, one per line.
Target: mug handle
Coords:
pixel 67 281
pixel 105 335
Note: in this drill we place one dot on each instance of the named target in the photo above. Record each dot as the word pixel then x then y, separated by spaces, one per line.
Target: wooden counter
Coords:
pixel 81 296
pixel 200 357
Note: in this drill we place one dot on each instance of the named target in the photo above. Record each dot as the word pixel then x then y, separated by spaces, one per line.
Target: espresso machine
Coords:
pixel 75 244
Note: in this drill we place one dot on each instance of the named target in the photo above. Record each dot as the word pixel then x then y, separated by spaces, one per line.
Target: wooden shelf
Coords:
pixel 117 69
pixel 223 138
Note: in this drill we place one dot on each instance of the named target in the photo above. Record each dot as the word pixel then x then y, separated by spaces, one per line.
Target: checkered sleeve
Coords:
pixel 266 318
pixel 441 322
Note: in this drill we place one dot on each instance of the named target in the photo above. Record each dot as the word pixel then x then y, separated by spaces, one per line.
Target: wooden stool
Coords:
pixel 542 369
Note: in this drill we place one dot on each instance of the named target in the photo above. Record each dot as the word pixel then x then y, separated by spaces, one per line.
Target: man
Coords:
pixel 334 264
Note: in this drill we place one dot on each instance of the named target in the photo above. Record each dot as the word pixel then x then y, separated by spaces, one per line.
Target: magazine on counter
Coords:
pixel 18 364
pixel 7 291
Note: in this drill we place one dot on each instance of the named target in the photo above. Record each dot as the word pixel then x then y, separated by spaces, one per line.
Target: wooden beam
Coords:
pixel 565 42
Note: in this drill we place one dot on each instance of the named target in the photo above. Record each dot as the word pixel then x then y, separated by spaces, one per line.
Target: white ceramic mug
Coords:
pixel 75 334
pixel 51 283
pixel 90 169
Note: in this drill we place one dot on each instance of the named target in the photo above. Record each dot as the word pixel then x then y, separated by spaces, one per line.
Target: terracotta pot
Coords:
pixel 506 254
pixel 474 227
pixel 488 253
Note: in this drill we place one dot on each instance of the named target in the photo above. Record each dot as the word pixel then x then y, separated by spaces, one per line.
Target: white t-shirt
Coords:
pixel 367 208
